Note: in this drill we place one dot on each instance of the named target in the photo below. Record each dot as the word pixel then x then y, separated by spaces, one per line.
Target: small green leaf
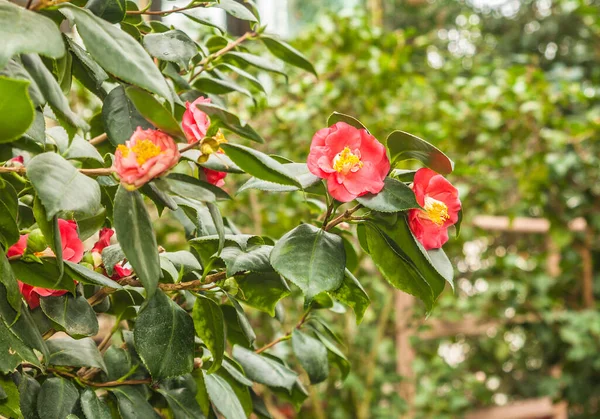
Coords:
pixel 256 259
pixel 335 355
pixel 183 403
pixel 236 9
pixel 57 398
pixel 263 291
pixel 203 20
pixel 61 187
pixel 73 314
pixel 350 120
pixel 132 403
pixel 311 258
pixel 153 111
pixel 403 146
pixel 298 170
pixel 223 397
pixel 21 31
pixel 29 389
pixel 120 117
pixel 312 355
pixel 16 110
pixel 50 231
pixel 9 281
pixel 259 165
pixel 12 351
pixel 44 275
pixel 353 295
pixel 257 61
pixel 9 209
pixel 287 53
pixel 230 121
pixel 136 237
pixel 164 338
pixel 264 370
pixel 210 327
pixel 394 197
pixel 190 187
pixel 173 45
pixel 92 406
pixel 219 86
pixel 75 353
pixel 112 11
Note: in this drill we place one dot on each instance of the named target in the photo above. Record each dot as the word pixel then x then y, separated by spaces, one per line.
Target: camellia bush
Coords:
pixel 81 193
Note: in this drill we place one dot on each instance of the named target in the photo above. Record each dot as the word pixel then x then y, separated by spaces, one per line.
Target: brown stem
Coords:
pixel 341 218
pixel 165 12
pixel 287 335
pixel 99 139
pixel 91 383
pixel 221 52
pixel 104 171
pixel 189 147
pixel 28 4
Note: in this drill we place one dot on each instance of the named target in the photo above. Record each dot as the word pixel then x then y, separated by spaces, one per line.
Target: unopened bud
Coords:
pixel 36 242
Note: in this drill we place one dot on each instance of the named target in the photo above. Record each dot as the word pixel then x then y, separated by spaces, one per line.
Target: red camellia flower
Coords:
pixel 72 246
pixel 103 240
pixel 19 247
pixel 441 206
pixel 214 177
pixel 148 154
pixel 32 294
pixel 195 123
pixel 351 160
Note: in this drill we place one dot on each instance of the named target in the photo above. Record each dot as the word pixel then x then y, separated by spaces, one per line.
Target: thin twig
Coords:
pixel 165 12
pixel 287 335
pixel 103 171
pixel 28 4
pixel 221 52
pixel 341 218
pixel 91 383
pixel 99 139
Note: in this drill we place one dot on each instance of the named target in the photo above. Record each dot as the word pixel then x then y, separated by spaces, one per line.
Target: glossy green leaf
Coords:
pixel 403 146
pixel 352 294
pixel 263 291
pixel 50 231
pixel 255 259
pixel 183 403
pixel 203 20
pixel 75 353
pixel 87 276
pixel 236 9
pixel 190 187
pixel 12 351
pixel 219 86
pixel 132 404
pixel 16 109
pixel 350 120
pixel 287 53
pixel 136 237
pixel 312 355
pixel 394 197
pixel 112 11
pixel 51 90
pixel 57 398
pixel 298 170
pixel 21 31
pixel 244 74
pixel 9 204
pixel 116 51
pixel 264 370
pixel 230 121
pixel 257 61
pixel 9 282
pixel 335 356
pixel 86 70
pixel 210 327
pixel 164 338
pixel 92 406
pixel 80 149
pixel 223 397
pixel 45 274
pixel 259 165
pixel 61 187
pixel 29 389
pixel 242 392
pixel 311 258
pixel 153 111
pixel 296 396
pixel 26 330
pixel 73 314
pixel 120 117
pixel 173 45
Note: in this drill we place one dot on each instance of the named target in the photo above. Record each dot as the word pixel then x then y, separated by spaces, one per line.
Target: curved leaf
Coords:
pixel 394 197
pixel 210 327
pixel 16 110
pixel 403 146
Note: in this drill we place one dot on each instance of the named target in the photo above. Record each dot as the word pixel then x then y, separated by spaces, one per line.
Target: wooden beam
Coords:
pixel 527 409
pixel 521 224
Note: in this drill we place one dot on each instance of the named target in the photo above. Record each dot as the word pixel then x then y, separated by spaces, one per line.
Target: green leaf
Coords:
pixel 29 390
pixel 73 314
pixel 9 209
pixel 16 110
pixel 116 51
pixel 86 69
pixel 120 117
pixel 298 170
pixel 201 394
pixel 219 86
pixel 350 120
pixel 253 80
pixel 312 355
pixel 9 398
pixel 210 327
pixel 223 397
pixel 259 165
pixel 12 351
pixel 173 45
pixel 296 396
pixel 183 403
pixel 51 90
pixel 75 353
pixel 26 330
pixel 231 375
pixel 9 281
pixel 118 362
pixel 80 149
pixel 263 291
pixel 51 232
pixel 92 406
pixel 57 398
pixel 44 275
pixel 136 237
pixel 353 295
pixel 164 338
pixel 287 53
pixel 133 404
pixel 230 121
pixel 203 20
pixel 236 9
pixel 335 355
pixel 264 370
pixel 257 61
pixel 112 11
pixel 403 146
pixel 61 187
pixel 153 111
pixel 21 31
pixel 256 259
pixel 242 320
pixel 111 255
pixel 190 187
pixel 311 258
pixel 394 197
pixel 221 163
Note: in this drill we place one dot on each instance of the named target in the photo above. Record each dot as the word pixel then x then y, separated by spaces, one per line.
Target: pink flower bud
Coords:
pixel 148 154
pixel 214 177
pixel 72 246
pixel 351 160
pixel 441 206
pixel 195 123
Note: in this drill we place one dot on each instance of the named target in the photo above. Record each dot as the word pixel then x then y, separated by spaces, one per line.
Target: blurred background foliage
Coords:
pixel 510 90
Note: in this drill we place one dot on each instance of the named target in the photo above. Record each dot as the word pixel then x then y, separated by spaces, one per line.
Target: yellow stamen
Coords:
pixel 346 161
pixel 436 211
pixel 144 150
pixel 124 150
